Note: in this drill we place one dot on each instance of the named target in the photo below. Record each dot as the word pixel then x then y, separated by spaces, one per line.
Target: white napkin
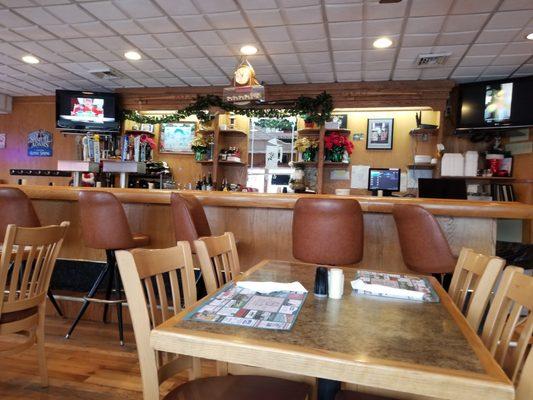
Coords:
pixel 380 290
pixel 269 287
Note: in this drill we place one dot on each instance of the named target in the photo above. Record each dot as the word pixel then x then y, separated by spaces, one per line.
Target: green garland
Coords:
pixel 316 110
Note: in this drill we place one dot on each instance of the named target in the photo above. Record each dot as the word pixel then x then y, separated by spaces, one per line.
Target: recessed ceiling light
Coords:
pixel 530 36
pixel 248 50
pixel 30 59
pixel 382 43
pixel 132 55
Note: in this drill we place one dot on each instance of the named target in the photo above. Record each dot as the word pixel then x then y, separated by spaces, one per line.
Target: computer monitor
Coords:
pixel 385 179
pixel 443 188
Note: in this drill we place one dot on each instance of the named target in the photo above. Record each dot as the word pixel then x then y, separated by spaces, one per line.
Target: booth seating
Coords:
pixel 105 226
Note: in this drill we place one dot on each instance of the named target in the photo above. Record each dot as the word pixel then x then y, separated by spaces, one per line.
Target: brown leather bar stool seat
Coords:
pixel 328 231
pixel 424 247
pixel 189 219
pixel 16 208
pixel 240 387
pixel 105 226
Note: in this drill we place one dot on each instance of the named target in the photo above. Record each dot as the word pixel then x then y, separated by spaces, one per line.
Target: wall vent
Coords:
pixel 432 60
pixel 106 73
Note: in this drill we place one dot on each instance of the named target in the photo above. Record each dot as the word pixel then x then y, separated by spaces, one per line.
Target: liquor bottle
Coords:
pixel 204 183
pixel 223 187
pixel 199 183
pixel 209 182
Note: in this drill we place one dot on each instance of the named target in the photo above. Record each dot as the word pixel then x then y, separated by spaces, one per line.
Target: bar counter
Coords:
pixel 262 222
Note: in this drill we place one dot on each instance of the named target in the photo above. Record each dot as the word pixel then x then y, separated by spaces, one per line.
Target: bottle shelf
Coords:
pixel 336 164
pixel 231 162
pixel 422 166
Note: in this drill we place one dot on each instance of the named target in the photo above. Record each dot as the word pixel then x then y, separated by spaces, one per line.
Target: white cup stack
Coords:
pixel 335 283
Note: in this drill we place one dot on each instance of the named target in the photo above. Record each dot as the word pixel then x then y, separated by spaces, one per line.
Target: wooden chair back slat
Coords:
pixel 27 262
pixel 219 260
pixel 512 305
pixel 151 278
pixel 472 283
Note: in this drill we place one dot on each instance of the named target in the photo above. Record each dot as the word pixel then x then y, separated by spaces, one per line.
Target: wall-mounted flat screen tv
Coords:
pixel 496 104
pixel 87 111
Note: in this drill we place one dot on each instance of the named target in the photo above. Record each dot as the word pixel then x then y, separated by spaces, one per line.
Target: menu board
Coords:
pixel 243 307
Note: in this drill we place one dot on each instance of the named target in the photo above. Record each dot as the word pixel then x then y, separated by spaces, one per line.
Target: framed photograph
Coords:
pixel 176 137
pixel 379 134
pixel 507 165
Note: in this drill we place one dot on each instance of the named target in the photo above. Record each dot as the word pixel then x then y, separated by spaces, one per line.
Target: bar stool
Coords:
pixel 423 244
pixel 328 231
pixel 105 226
pixel 16 208
pixel 188 216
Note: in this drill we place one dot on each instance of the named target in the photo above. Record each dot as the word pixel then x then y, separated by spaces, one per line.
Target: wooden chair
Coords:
pixel 24 286
pixel 512 305
pixel 472 283
pixel 147 275
pixel 218 258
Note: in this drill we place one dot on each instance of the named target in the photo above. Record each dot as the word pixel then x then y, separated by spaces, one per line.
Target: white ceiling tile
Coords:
pixel 206 37
pixel 468 71
pixel 114 43
pixel 190 23
pixel 218 51
pixel 157 25
pixel 85 44
pixel 347 44
pixel 345 29
pixel 273 34
pixel 78 56
pixel 516 5
pixel 158 53
pixel 305 46
pixel 279 47
pixel 425 8
pixel 294 78
pixel 456 51
pixel 497 35
pixel 93 29
pixel 320 77
pixel 172 64
pixel 347 56
pixel 344 12
pixel 419 40
pixel 10 20
pixel 381 27
pixel 142 41
pixel 217 80
pixel 319 57
pixel 171 81
pixel 39 15
pixel 406 74
pixel 177 39
pixel 33 33
pixel 138 8
pixel 424 24
pixel 105 55
pixel 285 59
pixel 499 69
pixel 376 10
pixel 526 69
pixel 216 6
pixel 486 49
pixel 436 73
pixel 376 75
pixel 126 27
pixel 379 55
pixel 194 81
pixel 238 36
pixel 510 19
pixel 476 61
pixel 377 65
pixel 187 51
pixel 525 47
pixel 227 20
pixel 351 76
pixel 181 7
pixel 307 31
pixel 473 6
pixel 258 4
pixel 456 38
pixel 10 36
pixel 104 10
pixel 413 52
pixel 513 60
pixel 303 15
pixel 298 3
pixel 464 23
pixel 70 13
pixel 347 66
pixel 290 69
pixel 260 18
pixel 64 31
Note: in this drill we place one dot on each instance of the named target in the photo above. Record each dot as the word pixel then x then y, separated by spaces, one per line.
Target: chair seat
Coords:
pixel 350 395
pixel 240 387
pixel 140 239
pixel 17 315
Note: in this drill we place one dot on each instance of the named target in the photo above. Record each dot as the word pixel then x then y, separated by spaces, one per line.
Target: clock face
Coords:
pixel 242 75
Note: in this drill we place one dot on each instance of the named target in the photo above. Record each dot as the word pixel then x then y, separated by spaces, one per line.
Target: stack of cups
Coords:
pixel 335 283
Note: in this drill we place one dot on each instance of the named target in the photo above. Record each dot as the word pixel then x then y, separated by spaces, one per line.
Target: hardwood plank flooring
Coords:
pixel 91 365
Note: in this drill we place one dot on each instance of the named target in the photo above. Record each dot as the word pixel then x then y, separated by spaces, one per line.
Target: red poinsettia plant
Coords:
pixel 336 144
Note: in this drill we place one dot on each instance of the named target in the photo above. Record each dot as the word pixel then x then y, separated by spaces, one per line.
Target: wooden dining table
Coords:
pixel 420 348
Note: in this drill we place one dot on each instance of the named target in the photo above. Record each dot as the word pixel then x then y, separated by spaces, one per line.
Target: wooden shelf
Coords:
pixel 421 132
pixel 232 132
pixel 232 163
pixel 134 132
pixel 341 131
pixel 206 131
pixel 309 132
pixel 422 166
pixel 207 162
pixel 336 164
pixel 306 163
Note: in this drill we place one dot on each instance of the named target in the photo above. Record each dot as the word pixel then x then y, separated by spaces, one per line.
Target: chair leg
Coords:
pixel 41 354
pixel 196 370
pixel 118 289
pixel 91 293
pixel 54 302
pixel 110 255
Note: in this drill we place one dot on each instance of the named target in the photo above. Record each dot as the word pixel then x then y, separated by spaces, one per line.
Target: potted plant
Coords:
pixel 199 146
pixel 307 148
pixel 337 145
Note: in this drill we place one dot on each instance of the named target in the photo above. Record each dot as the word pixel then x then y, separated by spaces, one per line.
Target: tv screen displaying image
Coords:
pixel 498 101
pixel 387 179
pixel 86 111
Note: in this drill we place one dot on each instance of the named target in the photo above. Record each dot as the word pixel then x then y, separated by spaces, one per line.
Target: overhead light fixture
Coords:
pixel 530 36
pixel 382 43
pixel 30 59
pixel 248 50
pixel 132 55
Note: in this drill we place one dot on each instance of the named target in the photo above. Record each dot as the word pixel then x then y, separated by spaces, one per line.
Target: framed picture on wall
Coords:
pixel 176 137
pixel 379 134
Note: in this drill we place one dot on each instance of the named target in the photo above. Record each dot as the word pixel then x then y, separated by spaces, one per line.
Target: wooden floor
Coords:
pixel 91 365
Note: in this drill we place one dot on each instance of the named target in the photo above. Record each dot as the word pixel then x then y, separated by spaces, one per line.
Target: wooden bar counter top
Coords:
pixel 262 223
